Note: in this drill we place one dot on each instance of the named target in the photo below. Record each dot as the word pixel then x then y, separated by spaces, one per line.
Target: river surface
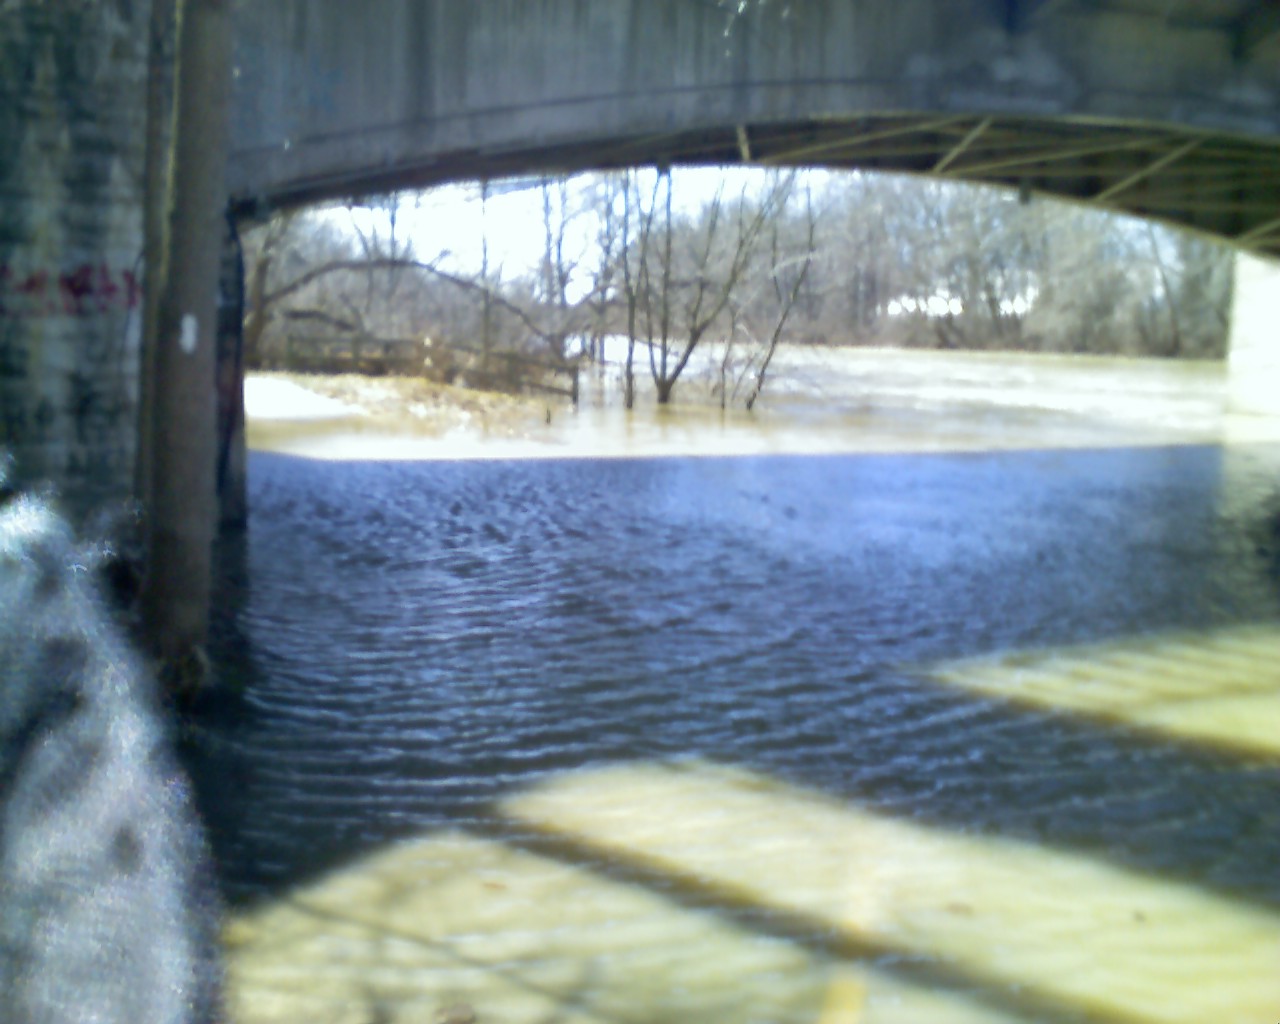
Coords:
pixel 426 643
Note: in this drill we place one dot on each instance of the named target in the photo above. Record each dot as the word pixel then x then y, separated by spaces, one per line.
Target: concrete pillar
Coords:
pixel 1253 359
pixel 183 509
pixel 72 83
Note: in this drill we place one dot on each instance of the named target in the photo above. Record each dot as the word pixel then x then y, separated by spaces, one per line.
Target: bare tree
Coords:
pixel 685 272
pixel 891 260
pixel 604 198
pixel 796 269
pixel 558 267
pixel 390 259
pixel 156 187
pixel 309 276
pixel 631 279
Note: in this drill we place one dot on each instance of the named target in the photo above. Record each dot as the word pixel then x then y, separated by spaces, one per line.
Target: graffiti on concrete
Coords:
pixel 94 407
pixel 14 358
pixel 84 290
pixel 26 422
pixel 97 463
pixel 66 409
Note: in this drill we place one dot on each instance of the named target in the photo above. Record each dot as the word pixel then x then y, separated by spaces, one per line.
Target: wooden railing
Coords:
pixel 353 354
pixel 498 369
pixel 511 370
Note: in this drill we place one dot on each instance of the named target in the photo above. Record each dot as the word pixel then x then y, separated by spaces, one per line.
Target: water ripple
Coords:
pixel 419 636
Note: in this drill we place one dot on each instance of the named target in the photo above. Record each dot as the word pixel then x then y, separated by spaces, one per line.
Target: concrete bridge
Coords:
pixel 1165 108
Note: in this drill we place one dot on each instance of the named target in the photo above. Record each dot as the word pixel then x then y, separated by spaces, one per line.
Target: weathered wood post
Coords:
pixel 158 158
pixel 183 498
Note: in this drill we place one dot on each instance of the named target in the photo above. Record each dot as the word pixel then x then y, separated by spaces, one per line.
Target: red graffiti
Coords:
pixel 107 288
pixel 34 283
pixel 84 290
pixel 76 287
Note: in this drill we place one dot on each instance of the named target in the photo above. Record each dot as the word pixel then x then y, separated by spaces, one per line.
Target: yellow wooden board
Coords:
pixel 1219 688
pixel 1058 930
pixel 455 929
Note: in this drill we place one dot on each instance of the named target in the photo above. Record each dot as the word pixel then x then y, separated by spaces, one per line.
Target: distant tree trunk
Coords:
pixel 255 322
pixel 629 288
pixel 663 379
pixel 183 506
pixel 486 329
pixel 557 268
pixel 602 292
pixel 1170 297
pixel 726 361
pixel 629 374
pixel 786 299
pixel 155 228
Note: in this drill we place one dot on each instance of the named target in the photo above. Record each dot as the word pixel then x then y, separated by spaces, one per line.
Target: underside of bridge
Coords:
pixel 1225 186
pixel 1169 109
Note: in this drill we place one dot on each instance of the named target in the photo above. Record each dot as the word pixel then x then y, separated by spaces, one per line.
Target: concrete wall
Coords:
pixel 71 136
pixel 334 95
pixel 1254 359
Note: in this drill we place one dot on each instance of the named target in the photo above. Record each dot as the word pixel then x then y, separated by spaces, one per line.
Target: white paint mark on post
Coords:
pixel 189 334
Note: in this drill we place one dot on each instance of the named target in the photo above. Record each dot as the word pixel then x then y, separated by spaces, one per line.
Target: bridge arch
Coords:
pixel 1170 110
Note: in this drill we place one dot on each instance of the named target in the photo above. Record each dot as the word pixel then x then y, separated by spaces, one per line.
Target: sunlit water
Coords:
pixel 741 739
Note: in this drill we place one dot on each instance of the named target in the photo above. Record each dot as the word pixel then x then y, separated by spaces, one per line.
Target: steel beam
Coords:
pixel 1177 153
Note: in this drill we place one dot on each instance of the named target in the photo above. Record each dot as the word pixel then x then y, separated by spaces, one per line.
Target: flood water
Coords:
pixel 620 729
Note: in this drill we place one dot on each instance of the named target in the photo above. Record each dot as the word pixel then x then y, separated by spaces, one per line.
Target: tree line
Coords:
pixel 631 266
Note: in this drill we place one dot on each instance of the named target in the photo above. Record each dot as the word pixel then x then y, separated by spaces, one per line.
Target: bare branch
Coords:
pixel 788 303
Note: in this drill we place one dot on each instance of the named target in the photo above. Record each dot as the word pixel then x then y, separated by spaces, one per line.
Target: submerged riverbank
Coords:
pixel 818 401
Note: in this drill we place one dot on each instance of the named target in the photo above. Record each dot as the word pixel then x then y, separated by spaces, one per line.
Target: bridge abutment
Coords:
pixel 72 111
pixel 1253 377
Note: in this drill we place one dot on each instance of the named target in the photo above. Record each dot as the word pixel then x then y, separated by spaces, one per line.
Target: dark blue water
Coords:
pixel 416 638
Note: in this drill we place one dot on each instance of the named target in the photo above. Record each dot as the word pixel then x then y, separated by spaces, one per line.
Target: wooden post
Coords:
pixel 183 499
pixel 160 57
